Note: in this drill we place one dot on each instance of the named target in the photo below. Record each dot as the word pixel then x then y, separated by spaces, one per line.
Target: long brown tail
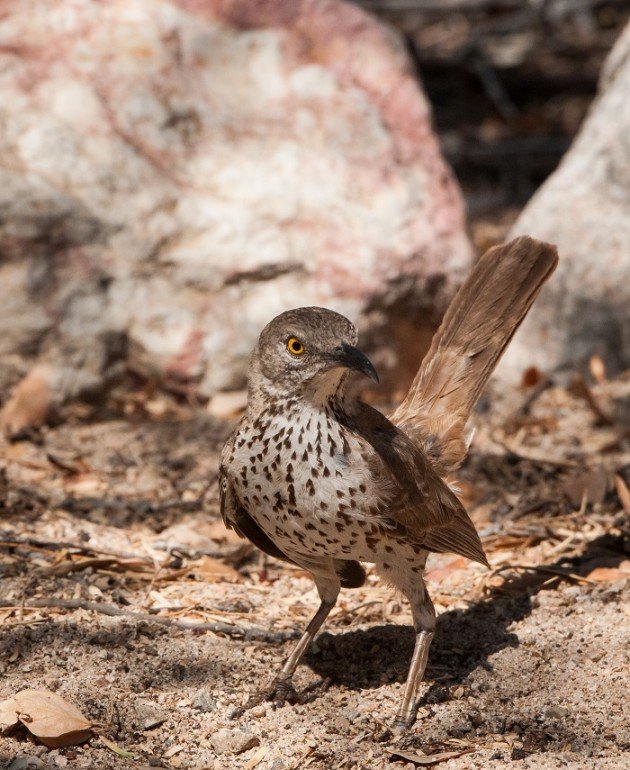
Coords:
pixel 475 331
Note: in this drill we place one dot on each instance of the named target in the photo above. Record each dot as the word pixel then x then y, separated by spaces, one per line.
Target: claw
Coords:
pixel 281 691
pixel 399 727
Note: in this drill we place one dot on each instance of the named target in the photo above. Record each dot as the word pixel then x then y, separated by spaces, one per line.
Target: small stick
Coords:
pixel 548 570
pixel 581 389
pixel 543 384
pixel 252 633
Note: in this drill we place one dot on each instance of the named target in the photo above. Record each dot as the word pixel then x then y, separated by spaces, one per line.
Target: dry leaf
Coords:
pixel 597 368
pixel 84 484
pixel 256 759
pixel 196 534
pixel 214 570
pixel 48 716
pixel 591 486
pixel 115 748
pixel 8 714
pixel 174 750
pixel 425 760
pixel 623 493
pixel 610 574
pixel 216 530
pixel 29 403
pixel 67 566
pixel 448 570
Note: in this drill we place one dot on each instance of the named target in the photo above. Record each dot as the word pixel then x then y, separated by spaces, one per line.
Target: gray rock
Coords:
pixel 25 763
pixel 204 701
pixel 254 158
pixel 557 712
pixel 149 716
pixel 584 208
pixel 235 741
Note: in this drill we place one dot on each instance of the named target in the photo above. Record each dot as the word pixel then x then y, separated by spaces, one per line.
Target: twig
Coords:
pixel 67 567
pixel 543 384
pixel 545 570
pixel 527 454
pixel 251 633
pixel 581 389
pixel 350 611
pixel 8 540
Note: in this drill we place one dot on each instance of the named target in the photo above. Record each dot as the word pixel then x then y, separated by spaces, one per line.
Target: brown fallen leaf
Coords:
pixel 47 716
pixel 84 484
pixel 531 377
pixel 216 530
pixel 597 368
pixel 623 493
pixel 115 748
pixel 214 570
pixel 448 570
pixel 66 566
pixel 194 533
pixel 256 759
pixel 610 574
pixel 589 486
pixel 425 760
pixel 29 403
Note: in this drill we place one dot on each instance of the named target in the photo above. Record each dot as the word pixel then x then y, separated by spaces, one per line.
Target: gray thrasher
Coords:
pixel 315 477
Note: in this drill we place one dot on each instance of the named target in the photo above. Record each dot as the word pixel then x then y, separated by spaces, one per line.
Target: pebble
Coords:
pixel 259 711
pixel 556 712
pixel 148 715
pixel 476 719
pixel 204 702
pixel 227 741
pixel 26 763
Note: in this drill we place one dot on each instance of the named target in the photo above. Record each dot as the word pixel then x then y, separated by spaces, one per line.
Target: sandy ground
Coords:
pixel 528 669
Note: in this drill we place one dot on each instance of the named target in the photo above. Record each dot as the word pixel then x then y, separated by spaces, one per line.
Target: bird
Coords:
pixel 314 476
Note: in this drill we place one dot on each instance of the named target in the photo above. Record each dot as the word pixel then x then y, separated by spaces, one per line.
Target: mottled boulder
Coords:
pixel 585 209
pixel 175 173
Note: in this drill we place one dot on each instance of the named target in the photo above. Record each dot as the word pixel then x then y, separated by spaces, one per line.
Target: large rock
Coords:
pixel 585 209
pixel 173 174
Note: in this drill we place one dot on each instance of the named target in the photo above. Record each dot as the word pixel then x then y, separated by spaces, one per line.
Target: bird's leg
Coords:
pixel 282 689
pixel 328 587
pixel 424 623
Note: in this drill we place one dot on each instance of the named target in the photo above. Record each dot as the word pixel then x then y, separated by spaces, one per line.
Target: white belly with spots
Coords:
pixel 297 479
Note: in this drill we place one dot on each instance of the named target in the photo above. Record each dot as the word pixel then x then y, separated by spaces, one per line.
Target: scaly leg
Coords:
pixel 424 623
pixel 328 587
pixel 281 689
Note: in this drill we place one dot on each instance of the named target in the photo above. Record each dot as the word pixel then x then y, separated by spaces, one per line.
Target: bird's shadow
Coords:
pixel 464 641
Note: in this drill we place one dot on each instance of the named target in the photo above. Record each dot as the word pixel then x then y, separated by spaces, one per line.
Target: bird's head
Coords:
pixel 307 351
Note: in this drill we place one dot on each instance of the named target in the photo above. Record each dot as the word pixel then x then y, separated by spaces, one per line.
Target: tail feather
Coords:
pixel 476 328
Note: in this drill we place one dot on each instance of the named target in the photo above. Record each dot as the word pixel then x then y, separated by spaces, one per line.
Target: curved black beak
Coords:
pixel 352 358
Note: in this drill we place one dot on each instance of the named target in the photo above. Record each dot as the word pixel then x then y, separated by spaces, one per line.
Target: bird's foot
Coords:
pixel 398 727
pixel 402 723
pixel 280 691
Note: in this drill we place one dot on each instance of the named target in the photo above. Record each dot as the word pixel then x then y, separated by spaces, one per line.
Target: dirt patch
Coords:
pixel 528 667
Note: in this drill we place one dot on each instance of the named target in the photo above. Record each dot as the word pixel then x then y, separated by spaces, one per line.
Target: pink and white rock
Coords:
pixel 174 173
pixel 584 208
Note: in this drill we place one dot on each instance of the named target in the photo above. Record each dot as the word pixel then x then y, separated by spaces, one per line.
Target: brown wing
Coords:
pixel 411 492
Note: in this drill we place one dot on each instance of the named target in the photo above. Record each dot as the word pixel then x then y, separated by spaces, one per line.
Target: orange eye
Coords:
pixel 295 346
